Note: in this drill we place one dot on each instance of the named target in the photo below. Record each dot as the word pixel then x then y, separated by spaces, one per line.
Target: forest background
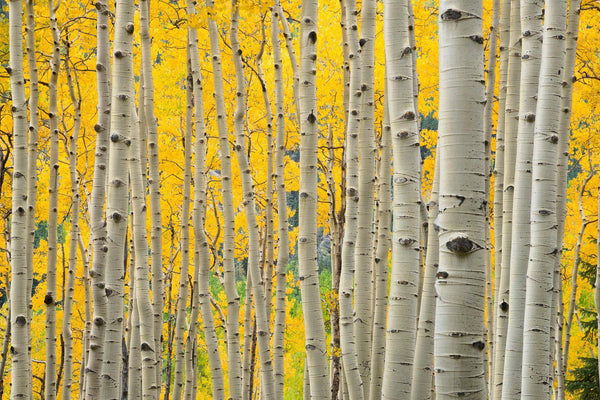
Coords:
pixel 169 23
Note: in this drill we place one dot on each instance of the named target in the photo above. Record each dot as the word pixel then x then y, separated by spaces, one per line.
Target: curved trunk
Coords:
pixel 459 325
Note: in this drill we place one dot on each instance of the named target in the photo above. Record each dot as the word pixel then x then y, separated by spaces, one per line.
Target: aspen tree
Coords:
pixel 597 288
pixel 282 219
pixel 563 163
pixel 154 181
pixel 348 268
pixel 511 113
pixel 249 342
pixel 233 341
pixel 402 314
pixel 261 315
pixel 531 43
pixel 143 309
pixel 459 326
pixel 363 321
pixel 117 199
pixel 67 334
pixel 316 353
pixel 543 253
pixel 384 212
pixel 85 343
pixel 488 127
pixel 182 296
pixel 201 250
pixel 98 231
pixel 20 328
pixel 50 298
pixel 422 379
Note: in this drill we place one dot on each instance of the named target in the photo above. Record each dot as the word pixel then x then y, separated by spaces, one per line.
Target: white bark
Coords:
pixel 460 330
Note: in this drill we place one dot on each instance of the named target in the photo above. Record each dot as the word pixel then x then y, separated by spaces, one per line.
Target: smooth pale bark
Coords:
pixel 511 112
pixel 201 249
pixel 144 311
pixel 543 253
pixel 348 267
pixel 51 294
pixel 597 286
pixel 19 304
pixel 563 167
pixel 316 346
pixel 249 342
pixel 384 217
pixel 182 296
pixel 282 219
pixel 488 128
pixel 575 271
pixel 422 384
pixel 154 182
pixel 363 296
pixel 96 209
pixel 406 241
pixel 67 333
pixel 531 28
pixel 117 202
pixel 233 308
pixel 84 253
pixel 258 289
pixel 459 326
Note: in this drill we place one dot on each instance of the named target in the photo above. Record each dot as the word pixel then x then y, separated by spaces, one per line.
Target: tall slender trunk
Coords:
pixel 402 314
pixel 348 268
pixel 283 244
pixel 316 346
pixel 597 286
pixel 97 217
pixel 543 253
pixel 233 308
pixel 459 326
pixel 50 298
pixel 531 43
pixel 201 250
pixel 19 304
pixel 363 322
pixel 67 333
pixel 154 181
pixel 117 200
pixel 85 342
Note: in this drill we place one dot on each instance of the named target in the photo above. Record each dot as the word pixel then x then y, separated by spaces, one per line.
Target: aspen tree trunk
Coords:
pixel 499 171
pixel 19 298
pixel 511 113
pixel 258 288
pixel 459 334
pixel 316 353
pixel 402 314
pixel 117 199
pixel 50 298
pixel 543 253
pixel 575 272
pixel 182 297
pixel 154 181
pixel 98 229
pixel 292 55
pixel 347 331
pixel 531 28
pixel 31 149
pixel 233 341
pixel 282 219
pixel 381 261
pixel 488 127
pixel 563 163
pixel 84 253
pixel 363 322
pixel 201 250
pixel 249 332
pixel 143 303
pixel 559 391
pixel 134 384
pixel 67 334
pixel 422 379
